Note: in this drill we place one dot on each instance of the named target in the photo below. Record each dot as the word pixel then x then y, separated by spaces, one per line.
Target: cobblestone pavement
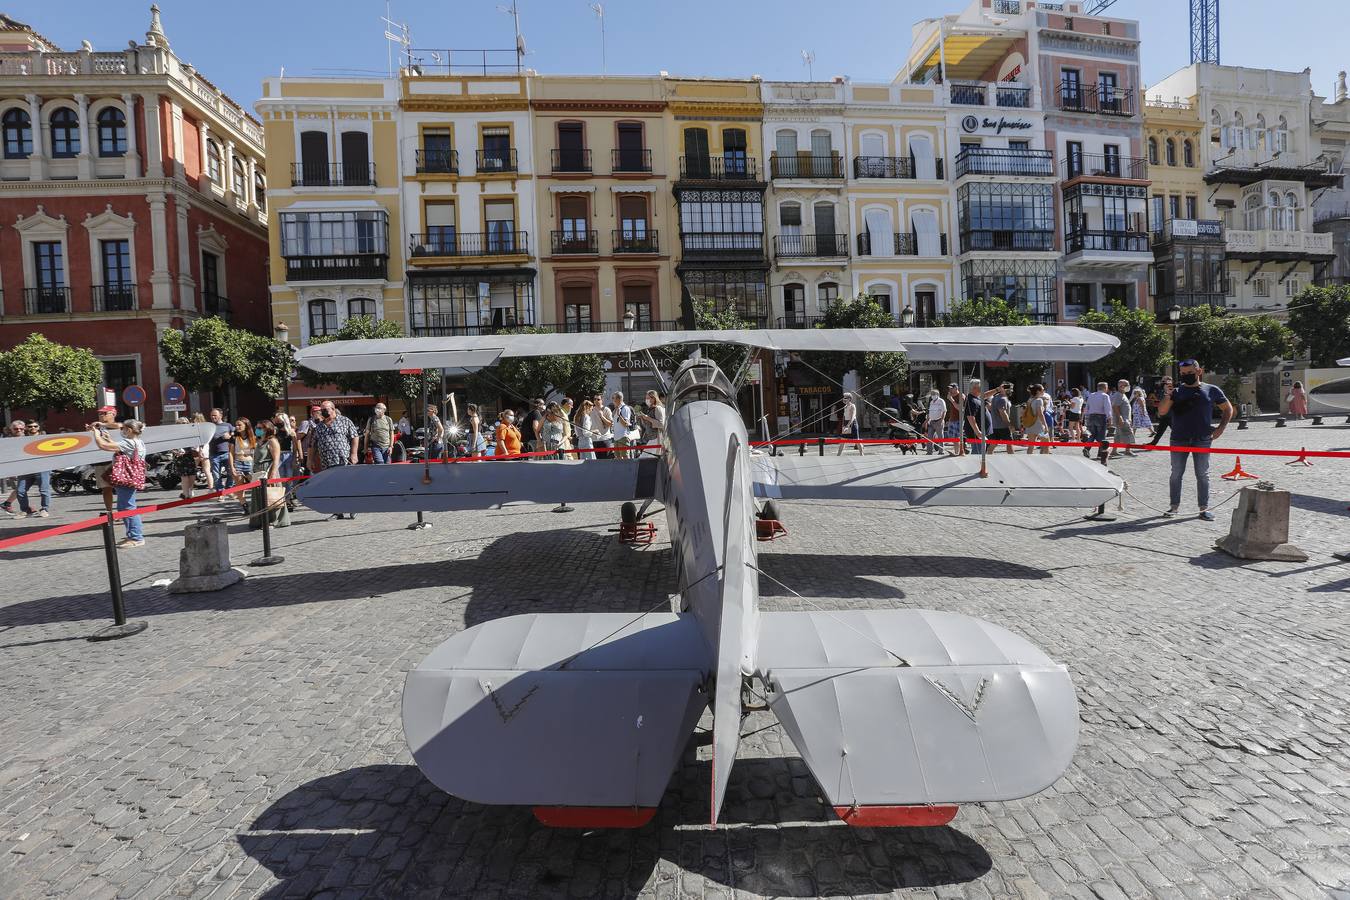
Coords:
pixel 249 743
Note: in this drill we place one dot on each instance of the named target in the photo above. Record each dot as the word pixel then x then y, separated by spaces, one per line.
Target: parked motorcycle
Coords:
pixel 66 480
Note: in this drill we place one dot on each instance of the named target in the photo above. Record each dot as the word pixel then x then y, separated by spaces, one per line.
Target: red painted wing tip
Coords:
pixel 594 816
pixel 895 816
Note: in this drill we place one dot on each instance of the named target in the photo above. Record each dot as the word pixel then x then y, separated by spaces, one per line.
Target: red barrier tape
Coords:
pixel 1172 448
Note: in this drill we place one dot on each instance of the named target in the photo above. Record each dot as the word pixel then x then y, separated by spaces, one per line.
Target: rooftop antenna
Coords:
pixel 514 12
pixel 599 11
pixel 808 60
pixel 396 33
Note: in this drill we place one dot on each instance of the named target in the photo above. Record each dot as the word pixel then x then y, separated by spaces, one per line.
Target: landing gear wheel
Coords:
pixel 628 513
pixel 769 511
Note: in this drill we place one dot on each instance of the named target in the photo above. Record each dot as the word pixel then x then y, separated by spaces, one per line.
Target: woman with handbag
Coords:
pixel 127 475
pixel 267 463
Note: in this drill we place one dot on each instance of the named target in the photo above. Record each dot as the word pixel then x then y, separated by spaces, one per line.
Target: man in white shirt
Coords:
pixel 623 423
pixel 1098 410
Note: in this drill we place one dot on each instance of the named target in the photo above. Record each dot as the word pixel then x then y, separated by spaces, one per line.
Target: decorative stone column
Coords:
pixel 250 189
pixel 227 173
pixel 133 157
pixel 203 137
pixel 84 160
pixel 154 137
pixel 37 162
pixel 161 282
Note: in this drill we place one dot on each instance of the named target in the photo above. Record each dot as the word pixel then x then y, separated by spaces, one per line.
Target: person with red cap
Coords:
pixel 108 425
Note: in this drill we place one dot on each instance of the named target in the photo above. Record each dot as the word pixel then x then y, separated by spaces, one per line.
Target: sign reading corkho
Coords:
pixel 986 125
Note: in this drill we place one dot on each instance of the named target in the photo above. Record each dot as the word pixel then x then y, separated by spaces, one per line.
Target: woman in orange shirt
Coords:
pixel 508 435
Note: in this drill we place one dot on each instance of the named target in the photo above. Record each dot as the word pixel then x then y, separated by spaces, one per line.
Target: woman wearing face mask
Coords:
pixel 554 431
pixel 508 435
pixel 286 441
pixel 242 446
pixel 267 464
pixel 937 415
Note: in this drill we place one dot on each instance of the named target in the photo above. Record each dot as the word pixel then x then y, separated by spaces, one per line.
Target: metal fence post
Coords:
pixel 267 559
pixel 120 627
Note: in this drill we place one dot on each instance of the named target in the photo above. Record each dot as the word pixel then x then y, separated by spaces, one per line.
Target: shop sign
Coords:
pixel 986 125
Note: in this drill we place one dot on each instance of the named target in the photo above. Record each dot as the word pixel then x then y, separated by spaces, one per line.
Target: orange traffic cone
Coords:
pixel 1238 472
pixel 1302 458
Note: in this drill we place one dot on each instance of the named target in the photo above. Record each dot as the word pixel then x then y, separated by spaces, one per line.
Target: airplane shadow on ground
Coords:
pixel 405 836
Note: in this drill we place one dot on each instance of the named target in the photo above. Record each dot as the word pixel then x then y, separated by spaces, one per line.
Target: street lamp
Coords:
pixel 629 323
pixel 629 320
pixel 283 336
pixel 1174 316
pixel 907 316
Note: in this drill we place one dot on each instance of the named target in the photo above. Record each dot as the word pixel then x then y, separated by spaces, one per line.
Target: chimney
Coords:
pixel 1341 92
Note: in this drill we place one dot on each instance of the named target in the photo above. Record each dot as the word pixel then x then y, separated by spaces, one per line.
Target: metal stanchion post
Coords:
pixel 426 458
pixel 267 559
pixel 821 445
pixel 120 627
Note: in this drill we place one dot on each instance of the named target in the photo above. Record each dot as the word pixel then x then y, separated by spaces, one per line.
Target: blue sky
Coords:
pixel 864 39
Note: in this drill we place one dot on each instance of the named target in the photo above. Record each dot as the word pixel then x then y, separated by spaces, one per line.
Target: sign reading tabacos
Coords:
pixel 977 125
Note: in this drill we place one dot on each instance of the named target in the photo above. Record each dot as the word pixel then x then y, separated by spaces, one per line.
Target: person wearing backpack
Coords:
pixel 1033 419
pixel 127 474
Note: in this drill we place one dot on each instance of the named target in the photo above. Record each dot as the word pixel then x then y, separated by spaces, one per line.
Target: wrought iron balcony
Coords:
pixel 806 165
pixel 43 301
pixel 345 174
pixel 1013 96
pixel 574 159
pixel 1099 165
pixel 451 325
pixel 1098 99
pixel 636 241
pixel 722 244
pixel 491 162
pixel 1004 161
pixel 966 94
pixel 719 168
pixel 336 267
pixel 216 305
pixel 437 162
pixel 1007 239
pixel 575 243
pixel 626 160
pixel 1106 241
pixel 476 243
pixel 113 297
pixel 800 321
pixel 796 246
pixel 590 327
pixel 901 244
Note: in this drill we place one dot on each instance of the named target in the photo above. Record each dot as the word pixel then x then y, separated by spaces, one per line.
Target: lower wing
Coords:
pixel 905 712
pixel 478 485
pixel 44 452
pixel 582 716
pixel 1013 480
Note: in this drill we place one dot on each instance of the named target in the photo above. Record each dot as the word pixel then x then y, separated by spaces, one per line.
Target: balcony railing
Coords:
pixel 490 162
pixel 1013 96
pixel 43 301
pixel 1004 161
pixel 719 168
pixel 800 321
pixel 1106 241
pixel 336 267
pixel 1009 7
pixel 1274 244
pixel 635 241
pixel 347 174
pixel 216 305
pixel 883 167
pixel 573 159
pixel 1007 239
pixel 589 327
pixel 474 243
pixel 1092 98
pixel 717 244
pixel 574 243
pixel 1100 165
pixel 453 325
pixel 901 244
pixel 437 162
pixel 626 161
pixel 810 245
pixel 968 94
pixel 805 165
pixel 113 297
pixel 1205 230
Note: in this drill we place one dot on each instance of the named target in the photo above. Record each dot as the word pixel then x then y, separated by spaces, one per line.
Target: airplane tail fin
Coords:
pixel 903 714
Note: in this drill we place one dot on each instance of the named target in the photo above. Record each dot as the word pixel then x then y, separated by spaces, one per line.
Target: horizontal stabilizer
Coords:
pixel 1065 480
pixel 440 487
pixel 559 711
pixel 45 452
pixel 895 708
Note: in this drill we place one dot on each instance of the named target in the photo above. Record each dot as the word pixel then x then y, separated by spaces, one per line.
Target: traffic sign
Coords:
pixel 133 395
pixel 174 393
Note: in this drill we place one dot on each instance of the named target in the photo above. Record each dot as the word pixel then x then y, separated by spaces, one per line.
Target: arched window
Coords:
pixel 1282 134
pixel 1291 211
pixel 18 130
pixel 65 126
pixel 1239 131
pixel 1259 136
pixel 239 179
pixel 1170 148
pixel 1216 130
pixel 112 132
pixel 794 305
pixel 213 161
pixel 1276 214
pixel 1253 217
pixel 260 191
pixel 322 318
pixel 827 292
pixel 1152 151
pixel 360 306
pixel 1188 153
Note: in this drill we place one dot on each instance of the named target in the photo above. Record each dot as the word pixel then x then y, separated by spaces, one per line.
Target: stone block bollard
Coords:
pixel 204 561
pixel 1260 528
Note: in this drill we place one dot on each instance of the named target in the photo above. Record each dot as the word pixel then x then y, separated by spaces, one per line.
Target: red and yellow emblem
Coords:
pixel 61 443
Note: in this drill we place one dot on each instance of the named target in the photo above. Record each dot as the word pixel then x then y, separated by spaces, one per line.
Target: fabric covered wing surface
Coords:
pixel 568 710
pixel 977 714
pixel 42 453
pixel 1014 480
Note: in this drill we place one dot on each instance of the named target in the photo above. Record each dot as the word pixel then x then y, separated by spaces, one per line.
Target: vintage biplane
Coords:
pixel 901 715
pixel 45 452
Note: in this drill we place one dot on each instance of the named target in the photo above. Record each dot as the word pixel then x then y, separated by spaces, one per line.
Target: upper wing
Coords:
pixel 479 485
pixel 565 710
pixel 1013 480
pixel 906 707
pixel 26 455
pixel 1015 343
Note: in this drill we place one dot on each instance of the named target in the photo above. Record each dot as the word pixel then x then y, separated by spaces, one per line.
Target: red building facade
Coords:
pixel 132 200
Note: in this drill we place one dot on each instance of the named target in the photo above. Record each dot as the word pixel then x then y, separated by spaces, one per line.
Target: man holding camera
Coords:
pixel 1192 406
pixel 333 441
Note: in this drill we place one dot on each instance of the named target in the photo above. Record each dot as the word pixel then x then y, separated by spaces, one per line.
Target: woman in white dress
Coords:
pixel 584 429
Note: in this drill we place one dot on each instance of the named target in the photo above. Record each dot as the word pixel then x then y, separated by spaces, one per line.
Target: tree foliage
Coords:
pixel 995 312
pixel 1320 319
pixel 41 375
pixel 1230 343
pixel 525 378
pixel 1145 346
pixel 383 385
pixel 875 370
pixel 211 356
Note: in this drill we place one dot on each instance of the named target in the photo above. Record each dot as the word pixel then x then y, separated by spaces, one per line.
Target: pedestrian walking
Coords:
pixel 271 501
pixel 1192 406
pixel 126 475
pixel 1164 420
pixel 379 435
pixel 653 418
pixel 41 480
pixel 10 486
pixel 1298 401
pixel 242 445
pixel 334 441
pixel 532 426
pixel 952 422
pixel 1034 428
pixel 604 425
pixel 553 432
pixel 285 431
pixel 973 417
pixel 1122 412
pixel 1098 410
pixel 434 438
pixel 621 419
pixel 1000 411
pixel 934 424
pixel 848 423
pixel 186 464
pixel 218 449
pixel 1139 405
pixel 478 445
pixel 1074 416
pixel 583 429
pixel 507 434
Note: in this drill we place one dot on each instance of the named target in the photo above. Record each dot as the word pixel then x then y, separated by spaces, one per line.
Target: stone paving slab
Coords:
pixel 249 743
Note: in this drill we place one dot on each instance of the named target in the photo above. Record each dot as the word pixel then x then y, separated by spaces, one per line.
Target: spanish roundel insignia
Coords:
pixel 59 444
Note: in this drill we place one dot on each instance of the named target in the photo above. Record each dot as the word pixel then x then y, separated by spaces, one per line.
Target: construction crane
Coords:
pixel 1204 27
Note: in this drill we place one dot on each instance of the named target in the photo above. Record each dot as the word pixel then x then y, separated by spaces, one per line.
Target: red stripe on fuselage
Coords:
pixel 895 816
pixel 594 816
